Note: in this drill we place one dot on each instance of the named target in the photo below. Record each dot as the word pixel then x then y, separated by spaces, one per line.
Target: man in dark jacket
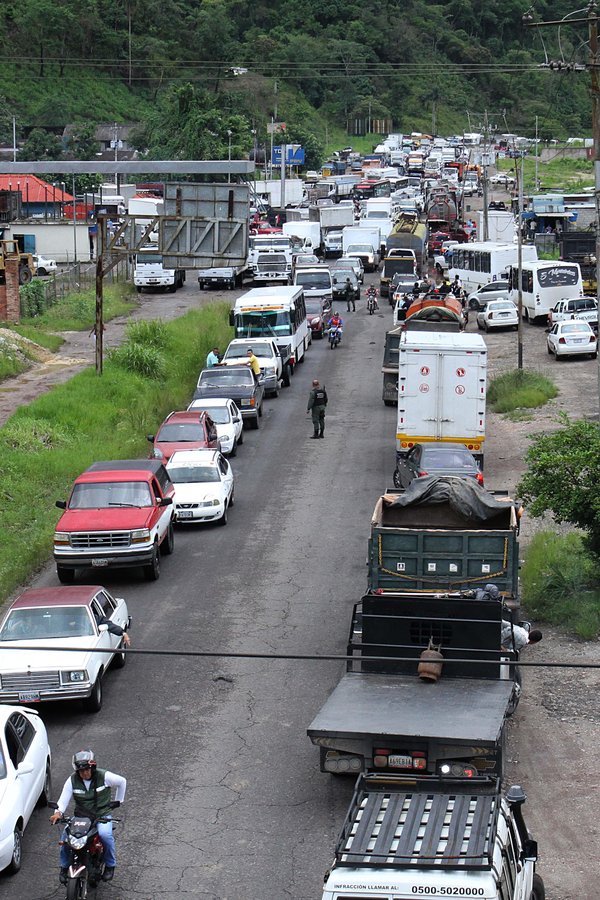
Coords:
pixel 317 401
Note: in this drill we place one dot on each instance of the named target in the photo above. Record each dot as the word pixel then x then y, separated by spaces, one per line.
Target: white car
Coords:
pixel 24 778
pixel 572 338
pixel 356 265
pixel 56 618
pixel 204 485
pixel 498 314
pixel 494 290
pixel 44 266
pixel 227 418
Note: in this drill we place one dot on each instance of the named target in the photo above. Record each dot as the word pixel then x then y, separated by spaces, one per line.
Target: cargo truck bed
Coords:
pixel 454 710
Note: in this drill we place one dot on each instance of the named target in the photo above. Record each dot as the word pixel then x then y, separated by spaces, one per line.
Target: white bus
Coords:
pixel 275 312
pixel 543 284
pixel 479 263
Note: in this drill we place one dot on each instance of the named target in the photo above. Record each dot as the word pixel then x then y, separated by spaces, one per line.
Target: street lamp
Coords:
pixel 253 133
pixel 229 133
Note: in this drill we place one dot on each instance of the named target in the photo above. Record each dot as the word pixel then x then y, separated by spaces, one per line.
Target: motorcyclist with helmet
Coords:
pixel 372 296
pixel 91 788
pixel 335 321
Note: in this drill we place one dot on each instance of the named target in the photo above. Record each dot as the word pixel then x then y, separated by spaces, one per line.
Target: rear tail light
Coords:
pixel 479 478
pixel 491 315
pixel 562 340
pixel 422 473
pixel 592 338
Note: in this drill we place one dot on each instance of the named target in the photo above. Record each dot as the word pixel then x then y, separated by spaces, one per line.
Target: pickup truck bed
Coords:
pixel 459 710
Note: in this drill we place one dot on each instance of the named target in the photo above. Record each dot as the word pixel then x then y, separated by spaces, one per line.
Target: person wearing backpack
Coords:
pixel 317 401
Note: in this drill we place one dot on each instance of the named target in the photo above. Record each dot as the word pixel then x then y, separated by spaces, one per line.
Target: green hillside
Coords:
pixel 318 67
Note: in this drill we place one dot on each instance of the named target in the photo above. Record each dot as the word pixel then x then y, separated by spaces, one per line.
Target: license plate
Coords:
pixel 153 281
pixel 99 563
pixel 505 314
pixel 185 514
pixel 399 762
pixel 577 340
pixel 29 696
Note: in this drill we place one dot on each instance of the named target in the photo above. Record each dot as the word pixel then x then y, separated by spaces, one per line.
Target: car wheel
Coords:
pixel 120 658
pixel 256 422
pixel 168 544
pixel 223 519
pixel 93 703
pixel 594 355
pixel 17 853
pixel 233 451
pixel 232 498
pixel 473 304
pixel 556 355
pixel 486 327
pixel 274 393
pixel 46 793
pixel 260 410
pixel 240 440
pixel 152 570
pixel 65 576
pixel 41 271
pixel 479 325
pixel 539 890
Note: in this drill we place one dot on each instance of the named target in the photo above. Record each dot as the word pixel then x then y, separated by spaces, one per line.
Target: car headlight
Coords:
pixel 140 535
pixel 269 370
pixel 157 453
pixel 61 538
pixel 74 676
pixel 216 502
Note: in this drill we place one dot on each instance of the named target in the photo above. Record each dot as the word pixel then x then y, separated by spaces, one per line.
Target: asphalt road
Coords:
pixel 225 797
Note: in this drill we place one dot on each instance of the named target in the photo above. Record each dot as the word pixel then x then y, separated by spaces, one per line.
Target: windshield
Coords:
pixel 377 214
pixel 240 351
pixel 45 623
pixel 507 304
pixel 314 308
pixel 193 474
pixel 100 495
pixel 219 414
pixel 448 459
pixel 314 279
pixel 154 259
pixel 224 378
pixel 261 323
pixel 2 764
pixel 400 266
pixel 182 432
pixel 360 248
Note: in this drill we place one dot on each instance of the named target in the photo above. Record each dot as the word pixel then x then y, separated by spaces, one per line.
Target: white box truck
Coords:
pixel 441 390
pixel 362 243
pixel 309 233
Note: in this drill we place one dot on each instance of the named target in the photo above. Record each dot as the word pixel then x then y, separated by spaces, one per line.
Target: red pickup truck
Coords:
pixel 120 514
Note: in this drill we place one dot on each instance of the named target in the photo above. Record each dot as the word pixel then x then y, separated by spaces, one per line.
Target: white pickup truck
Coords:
pixel 273 360
pixel 583 308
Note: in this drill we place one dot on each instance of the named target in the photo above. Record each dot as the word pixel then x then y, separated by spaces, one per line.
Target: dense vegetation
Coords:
pixel 167 65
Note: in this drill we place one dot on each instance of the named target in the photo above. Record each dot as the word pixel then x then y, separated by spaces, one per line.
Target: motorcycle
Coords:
pixel 87 853
pixel 372 304
pixel 334 336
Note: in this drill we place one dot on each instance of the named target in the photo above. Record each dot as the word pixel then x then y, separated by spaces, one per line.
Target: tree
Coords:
pixel 82 142
pixel 564 477
pixel 41 145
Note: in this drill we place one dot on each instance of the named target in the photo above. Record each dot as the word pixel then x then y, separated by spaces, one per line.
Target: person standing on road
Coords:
pixel 349 296
pixel 317 401
pixel 213 358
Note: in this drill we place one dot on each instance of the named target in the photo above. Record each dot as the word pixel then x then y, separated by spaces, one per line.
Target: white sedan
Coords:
pixel 227 418
pixel 572 339
pixel 24 778
pixel 204 485
pixel 83 616
pixel 44 266
pixel 498 314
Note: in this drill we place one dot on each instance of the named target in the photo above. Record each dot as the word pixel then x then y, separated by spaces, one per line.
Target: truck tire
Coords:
pixel 539 890
pixel 25 274
pixel 138 289
pixel 172 288
pixel 65 576
pixel 286 376
pixel 168 544
pixel 396 479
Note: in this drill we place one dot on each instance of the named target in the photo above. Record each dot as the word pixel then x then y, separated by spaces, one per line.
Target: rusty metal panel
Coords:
pixel 205 225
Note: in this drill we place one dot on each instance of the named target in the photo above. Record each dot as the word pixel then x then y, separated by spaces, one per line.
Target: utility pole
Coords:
pixel 484 162
pixel 591 20
pixel 537 180
pixel 520 172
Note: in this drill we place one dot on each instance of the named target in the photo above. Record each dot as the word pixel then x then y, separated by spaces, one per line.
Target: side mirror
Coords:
pixel 102 628
pixel 166 501
pixel 51 804
pixel 231 322
pixel 61 504
pixel 150 437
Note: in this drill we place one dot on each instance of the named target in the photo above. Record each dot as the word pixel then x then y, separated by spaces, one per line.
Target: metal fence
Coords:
pixel 41 294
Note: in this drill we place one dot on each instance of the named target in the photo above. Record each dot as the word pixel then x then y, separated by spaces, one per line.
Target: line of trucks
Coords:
pixel 419 715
